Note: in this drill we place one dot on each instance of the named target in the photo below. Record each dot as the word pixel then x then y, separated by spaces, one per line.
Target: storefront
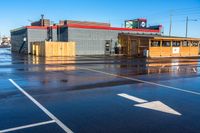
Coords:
pixel 158 46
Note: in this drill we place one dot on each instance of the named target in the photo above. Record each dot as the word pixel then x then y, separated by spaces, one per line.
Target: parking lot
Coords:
pixel 96 94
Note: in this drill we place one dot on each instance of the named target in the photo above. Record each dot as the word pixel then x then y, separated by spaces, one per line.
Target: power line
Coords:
pixel 187 14
pixel 174 10
pixel 192 8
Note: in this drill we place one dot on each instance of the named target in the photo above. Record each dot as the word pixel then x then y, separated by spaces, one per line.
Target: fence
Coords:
pixel 48 49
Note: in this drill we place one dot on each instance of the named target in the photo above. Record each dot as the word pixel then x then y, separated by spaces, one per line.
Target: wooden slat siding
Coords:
pixel 176 38
pixel 159 51
pixel 185 51
pixel 194 51
pixel 154 51
pixel 144 44
pixel 168 51
pixel 57 49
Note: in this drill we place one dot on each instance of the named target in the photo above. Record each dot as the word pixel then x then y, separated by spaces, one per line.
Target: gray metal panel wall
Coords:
pixel 54 35
pixel 91 41
pixel 17 37
pixel 36 35
pixel 63 34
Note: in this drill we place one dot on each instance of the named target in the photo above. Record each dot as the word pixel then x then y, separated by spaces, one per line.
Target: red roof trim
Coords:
pixel 36 27
pixel 95 27
pixel 138 19
pixel 40 27
pixel 142 19
pixel 111 28
pixel 54 27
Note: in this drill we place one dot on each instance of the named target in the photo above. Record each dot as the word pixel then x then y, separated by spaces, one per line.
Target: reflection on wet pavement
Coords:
pixel 119 65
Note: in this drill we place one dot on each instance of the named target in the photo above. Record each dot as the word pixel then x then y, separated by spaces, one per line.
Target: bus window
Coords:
pixel 155 43
pixel 166 44
pixel 186 44
pixel 194 44
pixel 176 44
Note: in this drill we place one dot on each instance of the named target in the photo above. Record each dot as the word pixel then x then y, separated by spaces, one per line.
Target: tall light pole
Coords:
pixel 187 20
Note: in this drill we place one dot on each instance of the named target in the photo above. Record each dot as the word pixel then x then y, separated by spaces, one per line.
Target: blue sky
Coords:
pixel 16 13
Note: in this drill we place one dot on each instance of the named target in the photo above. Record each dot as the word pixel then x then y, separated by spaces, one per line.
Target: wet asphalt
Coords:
pixel 82 93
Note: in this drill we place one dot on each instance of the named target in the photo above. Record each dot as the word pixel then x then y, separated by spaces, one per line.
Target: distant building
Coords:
pixel 5 42
pixel 92 38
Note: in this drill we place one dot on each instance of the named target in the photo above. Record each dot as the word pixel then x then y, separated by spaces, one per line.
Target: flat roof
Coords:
pixel 90 27
pixel 112 28
pixel 161 37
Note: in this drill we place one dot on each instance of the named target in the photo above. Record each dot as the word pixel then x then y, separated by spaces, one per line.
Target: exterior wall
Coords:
pixel 133 45
pixel 54 35
pixel 63 34
pixel 91 41
pixel 88 41
pixel 32 35
pixel 17 37
pixel 174 51
pixel 36 35
pixel 158 50
pixel 53 49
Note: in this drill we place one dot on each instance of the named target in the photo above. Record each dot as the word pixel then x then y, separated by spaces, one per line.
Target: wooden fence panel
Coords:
pixel 53 49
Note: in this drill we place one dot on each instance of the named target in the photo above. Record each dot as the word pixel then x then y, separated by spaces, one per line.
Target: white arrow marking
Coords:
pixel 155 105
pixel 158 106
pixel 138 100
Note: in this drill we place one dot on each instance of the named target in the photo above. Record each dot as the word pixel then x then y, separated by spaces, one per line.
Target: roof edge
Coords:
pixel 112 28
pixel 17 29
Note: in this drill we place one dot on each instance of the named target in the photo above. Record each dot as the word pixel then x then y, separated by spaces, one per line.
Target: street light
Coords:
pixel 187 19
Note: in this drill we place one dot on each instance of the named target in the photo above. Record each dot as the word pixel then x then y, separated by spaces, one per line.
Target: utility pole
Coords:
pixel 186 33
pixel 187 21
pixel 170 27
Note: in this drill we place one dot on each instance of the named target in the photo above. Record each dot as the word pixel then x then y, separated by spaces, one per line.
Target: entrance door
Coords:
pixel 108 47
pixel 132 48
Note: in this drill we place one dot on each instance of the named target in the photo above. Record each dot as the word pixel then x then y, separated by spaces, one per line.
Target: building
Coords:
pixel 158 46
pixel 21 38
pixel 5 42
pixel 92 38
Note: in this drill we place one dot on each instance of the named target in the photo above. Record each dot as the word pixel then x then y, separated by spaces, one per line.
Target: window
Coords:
pixel 176 44
pixel 155 44
pixel 186 44
pixel 166 44
pixel 194 44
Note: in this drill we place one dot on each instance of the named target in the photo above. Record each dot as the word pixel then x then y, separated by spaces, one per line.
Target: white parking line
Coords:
pixel 132 98
pixel 143 81
pixel 27 126
pixel 63 126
